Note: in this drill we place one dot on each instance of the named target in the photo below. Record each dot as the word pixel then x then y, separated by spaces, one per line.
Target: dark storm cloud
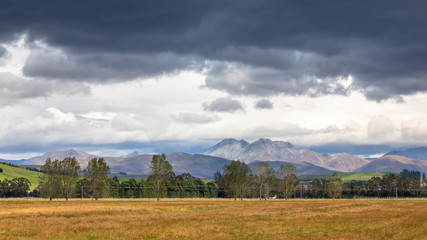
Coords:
pixel 14 89
pixel 274 46
pixel 3 51
pixel 223 104
pixel 105 67
pixel 264 104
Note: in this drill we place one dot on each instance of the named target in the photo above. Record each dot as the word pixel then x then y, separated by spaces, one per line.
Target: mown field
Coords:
pixel 213 219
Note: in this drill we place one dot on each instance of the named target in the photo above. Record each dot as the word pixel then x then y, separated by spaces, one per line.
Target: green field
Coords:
pixel 10 173
pixel 123 179
pixel 346 177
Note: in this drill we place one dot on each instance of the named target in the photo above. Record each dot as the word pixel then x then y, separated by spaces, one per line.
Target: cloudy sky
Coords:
pixel 109 77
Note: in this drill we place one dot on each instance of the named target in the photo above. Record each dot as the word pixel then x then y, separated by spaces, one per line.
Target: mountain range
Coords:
pixel 268 150
pixel 276 153
pixel 415 153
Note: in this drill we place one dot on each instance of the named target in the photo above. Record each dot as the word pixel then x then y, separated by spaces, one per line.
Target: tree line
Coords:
pixel 17 187
pixel 65 179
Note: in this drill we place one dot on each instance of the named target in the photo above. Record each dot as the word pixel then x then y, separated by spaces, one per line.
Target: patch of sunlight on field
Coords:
pixel 213 219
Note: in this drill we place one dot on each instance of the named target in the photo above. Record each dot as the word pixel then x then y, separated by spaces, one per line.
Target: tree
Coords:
pixel 317 188
pixel 334 186
pixel 235 179
pixel 49 183
pixel 263 176
pixel 97 171
pixel 68 176
pixel 20 186
pixel 289 182
pixel 161 170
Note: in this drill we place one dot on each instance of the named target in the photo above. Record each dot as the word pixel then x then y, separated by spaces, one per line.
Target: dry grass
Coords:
pixel 213 219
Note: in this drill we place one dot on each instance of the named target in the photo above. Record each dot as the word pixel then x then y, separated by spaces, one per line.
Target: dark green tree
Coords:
pixel 49 182
pixel 68 176
pixel 236 179
pixel 97 171
pixel 161 170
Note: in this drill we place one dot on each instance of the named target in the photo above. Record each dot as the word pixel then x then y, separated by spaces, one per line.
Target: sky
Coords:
pixel 113 77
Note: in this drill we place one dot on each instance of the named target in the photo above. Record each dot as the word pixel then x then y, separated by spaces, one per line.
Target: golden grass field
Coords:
pixel 213 219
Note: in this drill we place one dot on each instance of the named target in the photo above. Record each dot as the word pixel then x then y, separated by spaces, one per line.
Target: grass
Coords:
pixel 346 177
pixel 213 219
pixel 10 172
pixel 123 179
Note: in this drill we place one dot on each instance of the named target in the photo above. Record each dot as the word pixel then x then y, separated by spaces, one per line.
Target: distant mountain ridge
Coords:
pixel 394 163
pixel 82 157
pixel 276 153
pixel 414 153
pixel 268 150
pixel 202 166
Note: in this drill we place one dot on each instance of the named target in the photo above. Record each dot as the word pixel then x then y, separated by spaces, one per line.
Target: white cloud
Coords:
pixel 415 130
pixel 190 118
pixel 381 128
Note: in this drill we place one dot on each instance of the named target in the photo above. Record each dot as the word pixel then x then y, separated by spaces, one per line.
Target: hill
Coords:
pixel 202 166
pixel 345 162
pixel 82 157
pixel 394 163
pixel 303 168
pixel 414 153
pixel 10 172
pixel 358 176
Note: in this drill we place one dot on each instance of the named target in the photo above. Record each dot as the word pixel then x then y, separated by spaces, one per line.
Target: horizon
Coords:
pixel 335 77
pixel 201 151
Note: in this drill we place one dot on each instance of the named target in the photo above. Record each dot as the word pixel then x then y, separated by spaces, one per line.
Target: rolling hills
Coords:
pixel 11 172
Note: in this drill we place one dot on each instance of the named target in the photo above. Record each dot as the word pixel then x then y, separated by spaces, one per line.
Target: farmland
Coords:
pixel 10 172
pixel 213 219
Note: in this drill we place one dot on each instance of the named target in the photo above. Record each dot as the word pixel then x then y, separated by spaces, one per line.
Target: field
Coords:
pixel 358 176
pixel 213 219
pixel 10 172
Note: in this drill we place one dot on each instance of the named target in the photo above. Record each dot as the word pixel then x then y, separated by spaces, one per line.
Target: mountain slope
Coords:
pixel 198 165
pixel 394 163
pixel 228 148
pixel 262 150
pixel 414 153
pixel 303 168
pixel 10 173
pixel 345 162
pixel 82 157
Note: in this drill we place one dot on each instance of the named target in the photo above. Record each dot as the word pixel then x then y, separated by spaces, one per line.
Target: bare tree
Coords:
pixel 334 186
pixel 263 177
pixel 289 182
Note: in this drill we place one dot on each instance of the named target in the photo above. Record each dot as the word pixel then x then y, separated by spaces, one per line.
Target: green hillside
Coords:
pixel 358 176
pixel 10 173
